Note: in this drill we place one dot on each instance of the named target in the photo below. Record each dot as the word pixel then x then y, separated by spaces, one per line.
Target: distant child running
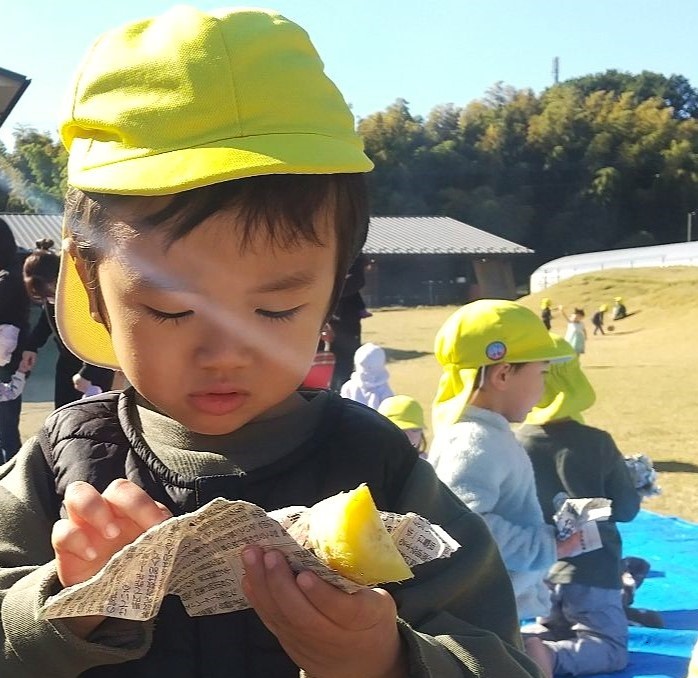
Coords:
pixel 597 319
pixel 581 461
pixel 368 383
pixel 216 201
pixel 407 414
pixel 576 334
pixel 494 355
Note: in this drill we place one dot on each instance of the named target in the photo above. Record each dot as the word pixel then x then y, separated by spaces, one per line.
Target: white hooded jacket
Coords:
pixel 368 383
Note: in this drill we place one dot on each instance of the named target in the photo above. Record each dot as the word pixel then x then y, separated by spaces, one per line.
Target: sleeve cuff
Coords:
pixel 43 646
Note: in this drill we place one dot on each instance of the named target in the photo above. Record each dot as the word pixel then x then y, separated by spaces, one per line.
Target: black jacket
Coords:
pixel 583 462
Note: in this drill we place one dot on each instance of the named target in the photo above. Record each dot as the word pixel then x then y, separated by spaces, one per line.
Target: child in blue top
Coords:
pixel 217 200
pixel 494 355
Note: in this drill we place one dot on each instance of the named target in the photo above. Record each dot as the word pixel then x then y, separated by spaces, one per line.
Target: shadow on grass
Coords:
pixel 396 354
pixel 675 467
pixel 617 333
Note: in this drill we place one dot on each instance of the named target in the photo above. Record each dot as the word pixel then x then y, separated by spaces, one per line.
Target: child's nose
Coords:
pixel 225 346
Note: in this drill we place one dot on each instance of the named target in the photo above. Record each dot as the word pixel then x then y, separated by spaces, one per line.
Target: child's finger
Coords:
pixel 67 537
pixel 268 582
pixel 85 505
pixel 134 503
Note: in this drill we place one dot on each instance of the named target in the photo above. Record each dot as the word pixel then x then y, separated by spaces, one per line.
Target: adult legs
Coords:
pixel 344 346
pixel 64 391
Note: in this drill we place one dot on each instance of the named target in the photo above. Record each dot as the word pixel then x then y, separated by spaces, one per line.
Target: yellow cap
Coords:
pixel 545 303
pixel 603 308
pixel 567 391
pixel 486 332
pixel 189 99
pixel 405 412
pixel 618 299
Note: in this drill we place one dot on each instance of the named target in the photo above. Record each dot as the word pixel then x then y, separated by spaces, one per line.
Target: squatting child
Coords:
pixel 216 201
pixel 582 461
pixel 494 355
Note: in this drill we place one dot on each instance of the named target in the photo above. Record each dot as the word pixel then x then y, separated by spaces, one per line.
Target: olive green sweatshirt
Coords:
pixel 478 636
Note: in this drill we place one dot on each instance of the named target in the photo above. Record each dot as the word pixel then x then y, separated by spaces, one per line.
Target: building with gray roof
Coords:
pixel 435 261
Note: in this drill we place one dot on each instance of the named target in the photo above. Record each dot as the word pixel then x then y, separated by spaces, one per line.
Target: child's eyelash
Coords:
pixel 279 315
pixel 161 316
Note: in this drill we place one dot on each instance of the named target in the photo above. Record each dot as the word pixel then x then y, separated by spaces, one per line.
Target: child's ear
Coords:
pixel 498 376
pixel 87 272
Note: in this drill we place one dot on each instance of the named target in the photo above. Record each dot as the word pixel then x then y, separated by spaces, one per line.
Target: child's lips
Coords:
pixel 217 402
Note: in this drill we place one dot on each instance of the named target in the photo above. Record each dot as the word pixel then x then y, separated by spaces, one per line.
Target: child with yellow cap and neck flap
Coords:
pixel 494 355
pixel 581 461
pixel 216 202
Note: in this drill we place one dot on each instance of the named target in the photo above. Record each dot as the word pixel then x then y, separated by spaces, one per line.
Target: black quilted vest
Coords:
pixel 93 440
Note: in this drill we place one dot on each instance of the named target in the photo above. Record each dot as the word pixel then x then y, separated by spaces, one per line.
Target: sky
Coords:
pixel 427 52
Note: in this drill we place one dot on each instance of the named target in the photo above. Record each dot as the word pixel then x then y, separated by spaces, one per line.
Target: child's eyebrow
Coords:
pixel 292 281
pixel 159 283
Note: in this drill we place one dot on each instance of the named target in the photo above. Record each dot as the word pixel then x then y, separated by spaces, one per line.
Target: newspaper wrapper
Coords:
pixel 580 515
pixel 197 557
pixel 643 475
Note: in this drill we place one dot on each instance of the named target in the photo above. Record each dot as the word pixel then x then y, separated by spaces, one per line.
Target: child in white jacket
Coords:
pixel 368 383
pixel 494 355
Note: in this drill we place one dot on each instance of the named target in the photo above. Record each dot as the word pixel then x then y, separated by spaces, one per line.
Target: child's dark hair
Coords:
pixel 286 207
pixel 41 270
pixel 579 311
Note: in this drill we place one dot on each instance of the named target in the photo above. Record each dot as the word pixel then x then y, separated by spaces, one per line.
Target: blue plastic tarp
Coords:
pixel 671 588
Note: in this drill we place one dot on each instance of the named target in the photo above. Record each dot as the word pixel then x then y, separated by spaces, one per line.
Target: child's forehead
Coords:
pixel 228 227
pixel 216 250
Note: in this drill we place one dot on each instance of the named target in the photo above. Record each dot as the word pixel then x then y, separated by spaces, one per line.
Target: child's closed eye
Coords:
pixel 284 315
pixel 162 316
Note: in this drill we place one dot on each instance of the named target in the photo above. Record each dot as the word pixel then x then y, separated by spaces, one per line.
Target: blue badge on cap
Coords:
pixel 496 350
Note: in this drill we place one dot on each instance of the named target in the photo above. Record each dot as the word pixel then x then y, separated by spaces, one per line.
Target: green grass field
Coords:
pixel 645 372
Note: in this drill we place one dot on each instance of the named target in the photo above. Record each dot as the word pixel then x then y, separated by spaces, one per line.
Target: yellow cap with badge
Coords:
pixel 189 99
pixel 486 332
pixel 567 393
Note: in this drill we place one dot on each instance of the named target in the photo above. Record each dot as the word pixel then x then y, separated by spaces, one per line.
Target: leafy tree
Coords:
pixel 32 176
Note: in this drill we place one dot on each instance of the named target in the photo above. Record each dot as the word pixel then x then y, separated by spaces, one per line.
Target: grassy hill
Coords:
pixel 645 372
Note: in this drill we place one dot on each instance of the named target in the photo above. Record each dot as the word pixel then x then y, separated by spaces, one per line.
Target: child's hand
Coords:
pixel 98 525
pixel 570 547
pixel 325 631
pixel 28 361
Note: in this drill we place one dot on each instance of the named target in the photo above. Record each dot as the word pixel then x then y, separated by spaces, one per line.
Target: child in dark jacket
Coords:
pixel 216 201
pixel 581 461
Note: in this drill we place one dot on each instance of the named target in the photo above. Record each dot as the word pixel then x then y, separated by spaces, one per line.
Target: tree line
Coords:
pixel 603 161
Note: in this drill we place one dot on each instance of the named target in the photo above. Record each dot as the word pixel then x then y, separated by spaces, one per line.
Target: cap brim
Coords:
pixel 86 338
pixel 545 354
pixel 92 165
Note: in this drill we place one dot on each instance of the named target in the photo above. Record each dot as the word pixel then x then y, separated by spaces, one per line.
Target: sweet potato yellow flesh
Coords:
pixel 347 534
